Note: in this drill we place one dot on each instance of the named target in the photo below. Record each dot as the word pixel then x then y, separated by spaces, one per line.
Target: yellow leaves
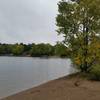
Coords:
pixel 93 53
pixel 88 59
pixel 77 60
pixel 94 48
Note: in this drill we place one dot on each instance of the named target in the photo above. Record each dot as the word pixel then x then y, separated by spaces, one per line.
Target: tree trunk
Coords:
pixel 85 54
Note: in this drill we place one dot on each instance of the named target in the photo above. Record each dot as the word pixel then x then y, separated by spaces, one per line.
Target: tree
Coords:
pixel 17 49
pixel 41 50
pixel 61 50
pixel 5 49
pixel 79 22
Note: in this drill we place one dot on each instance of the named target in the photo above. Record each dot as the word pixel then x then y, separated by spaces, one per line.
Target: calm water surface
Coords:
pixel 21 73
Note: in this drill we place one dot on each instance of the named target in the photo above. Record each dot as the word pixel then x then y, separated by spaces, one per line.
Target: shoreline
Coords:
pixel 61 89
pixel 47 57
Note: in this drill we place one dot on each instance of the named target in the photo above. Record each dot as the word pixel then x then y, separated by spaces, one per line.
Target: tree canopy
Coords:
pixel 79 22
pixel 35 50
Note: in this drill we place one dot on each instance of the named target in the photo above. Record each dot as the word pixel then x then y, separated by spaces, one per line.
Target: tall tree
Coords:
pixel 79 22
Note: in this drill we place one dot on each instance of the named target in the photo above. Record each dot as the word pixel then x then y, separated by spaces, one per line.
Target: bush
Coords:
pixel 95 73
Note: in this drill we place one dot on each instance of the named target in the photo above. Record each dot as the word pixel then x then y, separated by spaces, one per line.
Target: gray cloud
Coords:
pixel 28 21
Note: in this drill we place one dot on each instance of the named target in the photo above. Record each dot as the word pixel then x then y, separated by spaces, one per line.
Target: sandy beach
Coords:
pixel 62 89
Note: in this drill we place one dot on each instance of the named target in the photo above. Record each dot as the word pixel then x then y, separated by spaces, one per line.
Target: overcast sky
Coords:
pixel 28 21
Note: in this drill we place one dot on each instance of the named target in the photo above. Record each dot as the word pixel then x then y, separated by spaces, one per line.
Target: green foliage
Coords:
pixel 5 49
pixel 61 50
pixel 79 22
pixel 17 49
pixel 34 50
pixel 95 72
pixel 41 49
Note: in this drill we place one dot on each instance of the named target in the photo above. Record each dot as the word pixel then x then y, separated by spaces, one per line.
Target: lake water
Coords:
pixel 21 73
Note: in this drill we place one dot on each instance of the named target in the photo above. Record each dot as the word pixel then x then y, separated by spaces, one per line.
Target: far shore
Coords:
pixel 62 89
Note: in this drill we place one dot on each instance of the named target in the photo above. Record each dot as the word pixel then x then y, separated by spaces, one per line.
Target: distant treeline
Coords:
pixel 35 50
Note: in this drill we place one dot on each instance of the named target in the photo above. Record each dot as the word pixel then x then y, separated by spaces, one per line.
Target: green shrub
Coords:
pixel 95 73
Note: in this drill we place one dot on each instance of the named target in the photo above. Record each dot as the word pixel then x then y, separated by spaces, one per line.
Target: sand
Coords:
pixel 66 88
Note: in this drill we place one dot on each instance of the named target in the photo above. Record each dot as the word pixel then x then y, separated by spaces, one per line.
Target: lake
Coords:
pixel 21 73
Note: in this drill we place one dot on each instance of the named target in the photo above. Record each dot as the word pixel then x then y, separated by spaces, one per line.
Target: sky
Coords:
pixel 28 21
